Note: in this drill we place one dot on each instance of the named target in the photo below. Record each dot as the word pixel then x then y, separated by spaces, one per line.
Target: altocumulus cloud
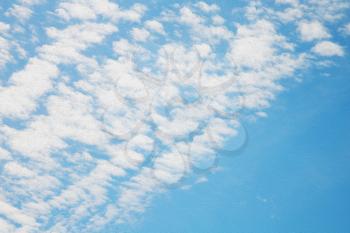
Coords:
pixel 105 106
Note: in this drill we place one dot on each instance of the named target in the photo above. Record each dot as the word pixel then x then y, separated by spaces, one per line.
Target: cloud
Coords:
pixel 4 27
pixel 328 48
pixel 187 16
pixel 70 10
pixel 329 10
pixel 255 45
pixel 21 12
pixel 206 7
pixel 15 169
pixel 218 20
pixel 5 53
pixel 290 14
pixel 155 26
pixel 9 48
pixel 313 30
pixel 4 154
pixel 140 34
pixel 19 99
pixel 292 2
pixel 346 29
pixel 91 9
pixel 32 2
pixel 6 227
pixel 16 215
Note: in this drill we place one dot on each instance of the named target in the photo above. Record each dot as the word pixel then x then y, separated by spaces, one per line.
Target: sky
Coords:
pixel 181 116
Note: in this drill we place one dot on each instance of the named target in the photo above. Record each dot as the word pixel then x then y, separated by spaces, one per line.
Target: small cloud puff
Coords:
pixel 140 34
pixel 346 29
pixel 327 49
pixel 21 12
pixel 291 2
pixel 312 30
pixel 155 26
pixel 4 27
pixel 207 8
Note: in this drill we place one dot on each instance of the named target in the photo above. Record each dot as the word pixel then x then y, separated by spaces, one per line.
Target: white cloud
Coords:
pixel 70 10
pixel 290 14
pixel 318 10
pixel 4 27
pixel 135 13
pixel 155 26
pixel 328 10
pixel 170 168
pixel 42 140
pixel 140 34
pixel 32 2
pixel 4 154
pixel 328 48
pixel 346 29
pixel 218 20
pixel 16 215
pixel 21 12
pixel 188 17
pixel 206 7
pixel 6 226
pixel 5 53
pixel 292 2
pixel 204 50
pixel 81 35
pixel 16 169
pixel 88 10
pixel 312 30
pixel 124 48
pixel 202 179
pixel 69 43
pixel 19 99
pixel 255 45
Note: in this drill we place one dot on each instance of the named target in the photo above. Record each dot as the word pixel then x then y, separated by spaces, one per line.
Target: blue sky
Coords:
pixel 125 116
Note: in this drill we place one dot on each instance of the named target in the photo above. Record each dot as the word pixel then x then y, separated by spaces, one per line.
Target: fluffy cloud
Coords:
pixel 346 29
pixel 5 54
pixel 312 31
pixel 218 20
pixel 19 99
pixel 16 215
pixel 155 26
pixel 292 2
pixel 4 154
pixel 4 27
pixel 206 7
pixel 88 10
pixel 32 2
pixel 140 34
pixel 328 48
pixel 15 169
pixel 187 16
pixel 21 12
pixel 255 45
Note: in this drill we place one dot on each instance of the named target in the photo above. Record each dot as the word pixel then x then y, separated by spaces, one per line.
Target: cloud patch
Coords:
pixel 328 48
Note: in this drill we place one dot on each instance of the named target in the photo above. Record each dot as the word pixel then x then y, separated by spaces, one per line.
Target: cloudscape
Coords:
pixel 107 106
